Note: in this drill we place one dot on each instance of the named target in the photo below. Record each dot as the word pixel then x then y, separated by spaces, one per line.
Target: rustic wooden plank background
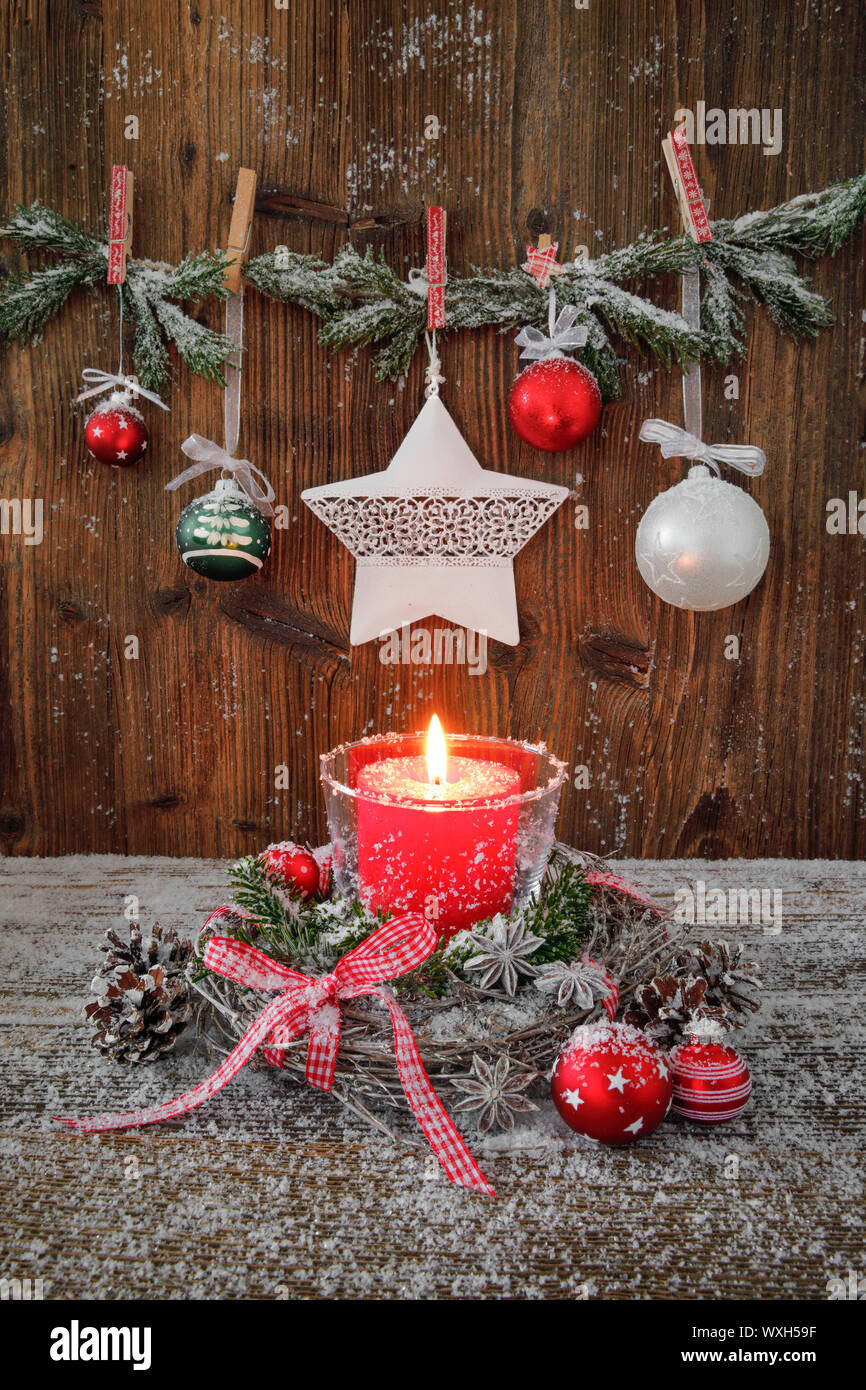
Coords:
pixel 545 109
pixel 274 1191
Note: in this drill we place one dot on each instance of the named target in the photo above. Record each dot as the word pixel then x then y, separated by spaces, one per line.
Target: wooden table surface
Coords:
pixel 271 1191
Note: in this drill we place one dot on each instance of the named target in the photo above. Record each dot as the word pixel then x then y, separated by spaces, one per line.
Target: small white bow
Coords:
pixel 210 456
pixel 678 443
pixel 107 380
pixel 562 337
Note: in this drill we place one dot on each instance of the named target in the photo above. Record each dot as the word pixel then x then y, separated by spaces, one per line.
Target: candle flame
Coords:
pixel 437 754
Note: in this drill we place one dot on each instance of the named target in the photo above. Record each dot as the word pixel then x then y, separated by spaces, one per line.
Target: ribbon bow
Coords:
pixel 306 1003
pixel 678 443
pixel 106 380
pixel 562 336
pixel 210 457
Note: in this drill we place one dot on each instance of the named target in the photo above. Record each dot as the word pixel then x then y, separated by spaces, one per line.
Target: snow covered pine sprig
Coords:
pixel 152 295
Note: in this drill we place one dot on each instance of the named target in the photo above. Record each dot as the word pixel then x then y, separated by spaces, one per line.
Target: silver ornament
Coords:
pixel 703 544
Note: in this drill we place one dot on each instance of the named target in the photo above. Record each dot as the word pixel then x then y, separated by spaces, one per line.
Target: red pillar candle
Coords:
pixel 438 835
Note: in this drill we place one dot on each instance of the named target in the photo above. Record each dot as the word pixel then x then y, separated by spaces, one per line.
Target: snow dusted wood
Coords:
pixel 549 117
pixel 272 1191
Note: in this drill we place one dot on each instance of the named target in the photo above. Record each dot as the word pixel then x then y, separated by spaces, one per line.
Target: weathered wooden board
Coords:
pixel 548 113
pixel 271 1191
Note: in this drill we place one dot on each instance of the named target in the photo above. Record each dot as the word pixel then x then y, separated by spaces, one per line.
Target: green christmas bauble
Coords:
pixel 223 535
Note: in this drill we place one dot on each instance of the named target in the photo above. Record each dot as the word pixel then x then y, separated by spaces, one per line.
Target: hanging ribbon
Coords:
pixel 679 443
pixel 106 381
pixel 312 1004
pixel 563 334
pixel 232 398
pixel 211 457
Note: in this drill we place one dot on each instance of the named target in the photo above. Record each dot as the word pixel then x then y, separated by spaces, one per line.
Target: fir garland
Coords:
pixel 361 300
pixel 152 294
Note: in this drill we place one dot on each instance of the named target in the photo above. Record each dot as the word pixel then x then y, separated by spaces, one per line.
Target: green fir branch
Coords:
pixel 302 280
pixel 560 916
pixel 150 353
pixel 811 225
pixel 26 305
pixel 151 295
pixel 203 350
pixel 38 228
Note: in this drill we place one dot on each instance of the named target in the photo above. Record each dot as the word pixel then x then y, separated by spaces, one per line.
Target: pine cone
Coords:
pixel 707 980
pixel 663 1007
pixel 731 981
pixel 142 1002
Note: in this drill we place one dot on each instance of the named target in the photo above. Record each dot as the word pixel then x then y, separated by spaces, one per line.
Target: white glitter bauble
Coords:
pixel 703 544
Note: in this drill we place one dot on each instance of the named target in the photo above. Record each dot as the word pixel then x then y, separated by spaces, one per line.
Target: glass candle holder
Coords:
pixel 456 851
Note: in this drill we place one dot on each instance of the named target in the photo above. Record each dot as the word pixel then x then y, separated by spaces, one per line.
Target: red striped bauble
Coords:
pixel 711 1082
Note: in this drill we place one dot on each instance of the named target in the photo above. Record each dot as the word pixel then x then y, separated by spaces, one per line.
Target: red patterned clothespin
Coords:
pixel 541 261
pixel 435 270
pixel 119 223
pixel 686 186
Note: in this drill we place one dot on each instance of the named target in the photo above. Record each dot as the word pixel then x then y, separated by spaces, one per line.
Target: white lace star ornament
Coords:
pixel 435 534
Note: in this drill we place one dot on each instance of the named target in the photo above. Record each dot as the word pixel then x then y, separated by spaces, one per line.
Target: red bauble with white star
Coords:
pixel 612 1083
pixel 293 868
pixel 554 404
pixel 711 1081
pixel 116 432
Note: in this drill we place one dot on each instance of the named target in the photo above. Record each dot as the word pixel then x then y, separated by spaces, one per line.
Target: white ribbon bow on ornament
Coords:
pixel 679 443
pixel 562 336
pixel 106 381
pixel 210 456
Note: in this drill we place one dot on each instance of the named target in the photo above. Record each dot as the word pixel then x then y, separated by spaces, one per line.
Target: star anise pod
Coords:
pixel 503 946
pixel 496 1094
pixel 571 981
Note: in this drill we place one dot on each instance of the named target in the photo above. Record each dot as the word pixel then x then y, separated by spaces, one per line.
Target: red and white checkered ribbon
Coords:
pixel 622 884
pixel 306 1003
pixel 542 264
pixel 435 271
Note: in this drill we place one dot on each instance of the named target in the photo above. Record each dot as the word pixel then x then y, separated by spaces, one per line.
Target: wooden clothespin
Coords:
pixel 241 227
pixel 687 188
pixel 119 223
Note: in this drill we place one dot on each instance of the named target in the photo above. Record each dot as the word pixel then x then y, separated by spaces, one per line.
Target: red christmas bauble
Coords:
pixel 294 868
pixel 612 1083
pixel 711 1081
pixel 116 432
pixel 555 404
